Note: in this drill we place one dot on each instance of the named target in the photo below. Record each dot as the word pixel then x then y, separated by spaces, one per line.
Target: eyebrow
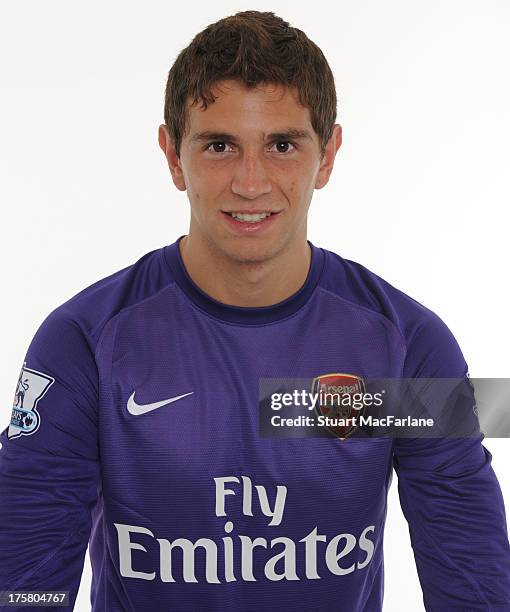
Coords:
pixel 288 134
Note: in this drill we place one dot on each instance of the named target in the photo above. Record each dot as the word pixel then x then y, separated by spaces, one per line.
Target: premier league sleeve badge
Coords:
pixel 31 387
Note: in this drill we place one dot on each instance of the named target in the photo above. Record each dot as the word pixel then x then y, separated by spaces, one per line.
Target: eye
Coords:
pixel 217 147
pixel 282 146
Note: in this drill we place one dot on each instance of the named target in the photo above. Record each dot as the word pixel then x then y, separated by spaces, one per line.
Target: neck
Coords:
pixel 238 283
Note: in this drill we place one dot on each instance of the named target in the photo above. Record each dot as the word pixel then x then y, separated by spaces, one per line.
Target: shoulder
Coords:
pixel 430 346
pixel 81 319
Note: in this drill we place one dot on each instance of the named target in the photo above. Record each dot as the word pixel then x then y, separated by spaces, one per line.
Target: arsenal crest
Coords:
pixel 335 400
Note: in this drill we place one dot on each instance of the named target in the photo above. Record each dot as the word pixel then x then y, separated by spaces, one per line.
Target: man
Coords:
pixel 142 391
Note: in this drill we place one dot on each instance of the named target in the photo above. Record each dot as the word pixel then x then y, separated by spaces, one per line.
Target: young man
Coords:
pixel 136 417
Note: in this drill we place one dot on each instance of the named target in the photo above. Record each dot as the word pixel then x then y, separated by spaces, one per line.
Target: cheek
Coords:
pixel 299 188
pixel 296 176
pixel 206 180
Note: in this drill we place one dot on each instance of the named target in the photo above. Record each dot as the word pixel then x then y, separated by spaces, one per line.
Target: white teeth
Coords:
pixel 250 218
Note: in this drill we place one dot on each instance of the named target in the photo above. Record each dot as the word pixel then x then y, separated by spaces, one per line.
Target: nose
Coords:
pixel 250 178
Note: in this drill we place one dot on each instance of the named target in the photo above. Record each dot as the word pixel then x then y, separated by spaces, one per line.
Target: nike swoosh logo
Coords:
pixel 137 409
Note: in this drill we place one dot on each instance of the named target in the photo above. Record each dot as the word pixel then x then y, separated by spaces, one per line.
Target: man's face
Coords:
pixel 252 152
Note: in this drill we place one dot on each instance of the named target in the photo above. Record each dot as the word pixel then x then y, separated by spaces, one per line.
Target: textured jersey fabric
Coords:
pixel 186 507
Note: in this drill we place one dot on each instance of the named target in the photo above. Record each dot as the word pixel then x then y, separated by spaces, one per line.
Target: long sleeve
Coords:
pixel 451 497
pixel 49 463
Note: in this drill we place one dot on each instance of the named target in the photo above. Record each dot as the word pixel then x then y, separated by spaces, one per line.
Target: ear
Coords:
pixel 174 162
pixel 328 158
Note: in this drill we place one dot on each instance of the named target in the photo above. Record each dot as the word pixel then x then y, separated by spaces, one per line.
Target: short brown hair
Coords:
pixel 253 47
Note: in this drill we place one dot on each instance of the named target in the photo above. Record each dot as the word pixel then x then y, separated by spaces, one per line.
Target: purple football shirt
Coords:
pixel 135 427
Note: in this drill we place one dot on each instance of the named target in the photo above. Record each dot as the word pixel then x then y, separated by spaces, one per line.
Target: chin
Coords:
pixel 244 250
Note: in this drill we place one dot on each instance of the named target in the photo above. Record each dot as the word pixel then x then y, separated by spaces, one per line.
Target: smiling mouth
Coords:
pixel 250 217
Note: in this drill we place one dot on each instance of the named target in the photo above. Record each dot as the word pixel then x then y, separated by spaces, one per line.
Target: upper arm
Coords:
pixel 450 495
pixel 49 462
